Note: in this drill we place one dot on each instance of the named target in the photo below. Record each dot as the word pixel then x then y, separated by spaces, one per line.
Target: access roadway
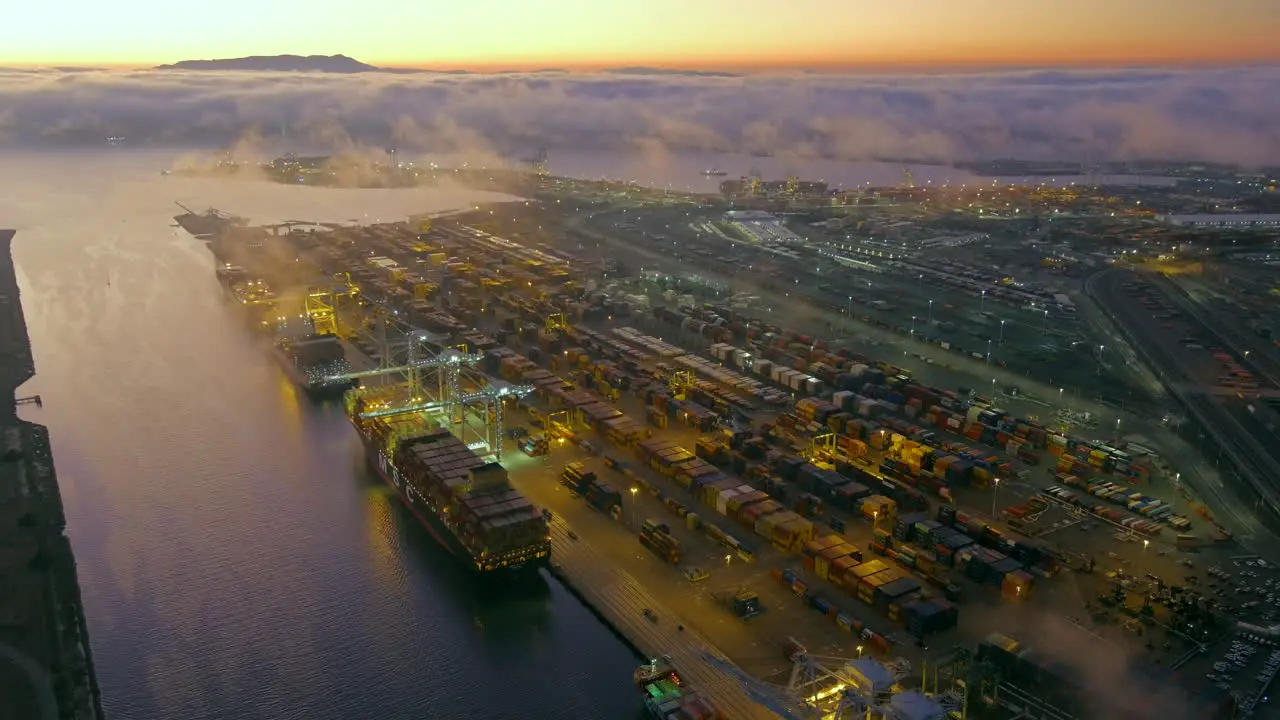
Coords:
pixel 1184 373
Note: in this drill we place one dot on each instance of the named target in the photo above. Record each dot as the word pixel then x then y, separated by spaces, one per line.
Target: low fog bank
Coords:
pixel 113 191
pixel 1212 115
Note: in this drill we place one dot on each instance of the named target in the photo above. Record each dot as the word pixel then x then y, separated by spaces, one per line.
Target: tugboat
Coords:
pixel 667 695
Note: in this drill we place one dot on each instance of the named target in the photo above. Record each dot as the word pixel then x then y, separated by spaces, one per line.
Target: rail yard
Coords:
pixel 807 473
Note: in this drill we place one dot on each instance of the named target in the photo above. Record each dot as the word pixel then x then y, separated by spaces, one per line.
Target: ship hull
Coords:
pixel 325 391
pixel 440 532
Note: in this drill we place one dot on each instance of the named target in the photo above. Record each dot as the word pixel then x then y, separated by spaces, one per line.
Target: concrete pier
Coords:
pixel 46 667
pixel 620 600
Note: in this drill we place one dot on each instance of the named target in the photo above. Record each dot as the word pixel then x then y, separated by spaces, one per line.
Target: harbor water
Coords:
pixel 237 560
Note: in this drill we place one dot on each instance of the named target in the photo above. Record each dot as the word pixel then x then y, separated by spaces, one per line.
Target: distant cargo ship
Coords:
pixel 466 503
pixel 667 696
pixel 206 226
pixel 254 298
pixel 714 172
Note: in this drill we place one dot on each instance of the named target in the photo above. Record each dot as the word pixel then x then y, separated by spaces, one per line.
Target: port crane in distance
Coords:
pixel 829 688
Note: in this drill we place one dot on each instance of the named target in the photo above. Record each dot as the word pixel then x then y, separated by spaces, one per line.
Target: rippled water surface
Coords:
pixel 236 559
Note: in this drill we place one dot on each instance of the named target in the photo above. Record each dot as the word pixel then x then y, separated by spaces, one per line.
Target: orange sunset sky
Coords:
pixel 728 34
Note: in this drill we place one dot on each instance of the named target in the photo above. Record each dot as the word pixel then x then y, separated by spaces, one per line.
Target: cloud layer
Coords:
pixel 1222 115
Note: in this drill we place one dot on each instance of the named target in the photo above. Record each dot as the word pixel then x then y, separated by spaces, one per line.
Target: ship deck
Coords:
pixel 618 597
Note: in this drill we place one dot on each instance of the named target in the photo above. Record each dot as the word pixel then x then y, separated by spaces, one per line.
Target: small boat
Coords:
pixel 714 172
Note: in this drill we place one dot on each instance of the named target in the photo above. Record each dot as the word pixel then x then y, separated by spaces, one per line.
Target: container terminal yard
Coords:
pixel 777 505
pixel 46 667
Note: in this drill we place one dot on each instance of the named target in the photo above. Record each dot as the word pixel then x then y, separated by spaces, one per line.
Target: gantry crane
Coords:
pixel 837 689
pixel 321 303
pixel 681 382
pixel 446 396
pixel 557 322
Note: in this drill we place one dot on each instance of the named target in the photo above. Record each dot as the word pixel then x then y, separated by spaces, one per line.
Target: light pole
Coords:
pixel 634 490
pixel 921 279
pixel 1002 322
pixel 994 490
pixel 930 312
pixel 850 310
pixel 1045 329
pixel 868 292
pixel 982 302
pixel 988 352
pixel 1099 367
pixel 913 327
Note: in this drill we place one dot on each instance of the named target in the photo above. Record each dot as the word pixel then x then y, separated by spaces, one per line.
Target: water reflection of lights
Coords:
pixel 379 504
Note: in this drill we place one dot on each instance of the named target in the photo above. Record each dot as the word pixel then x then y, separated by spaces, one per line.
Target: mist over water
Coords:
pixel 236 560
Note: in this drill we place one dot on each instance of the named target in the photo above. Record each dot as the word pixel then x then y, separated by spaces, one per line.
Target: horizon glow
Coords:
pixel 576 34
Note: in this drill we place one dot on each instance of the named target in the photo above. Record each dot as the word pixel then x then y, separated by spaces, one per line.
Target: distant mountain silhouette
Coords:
pixel 667 71
pixel 278 63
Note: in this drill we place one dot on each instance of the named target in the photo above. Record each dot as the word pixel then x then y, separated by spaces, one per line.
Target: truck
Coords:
pixel 744 604
pixel 577 477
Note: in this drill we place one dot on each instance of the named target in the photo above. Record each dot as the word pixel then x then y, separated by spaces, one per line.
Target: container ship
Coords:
pixel 314 363
pixel 310 360
pixel 252 297
pixel 465 502
pixel 666 697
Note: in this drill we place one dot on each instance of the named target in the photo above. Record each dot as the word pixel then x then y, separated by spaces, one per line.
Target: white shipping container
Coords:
pixel 796 380
pixel 866 407
pixel 813 386
pixel 776 372
pixel 763 368
pixel 858 370
pixel 840 398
